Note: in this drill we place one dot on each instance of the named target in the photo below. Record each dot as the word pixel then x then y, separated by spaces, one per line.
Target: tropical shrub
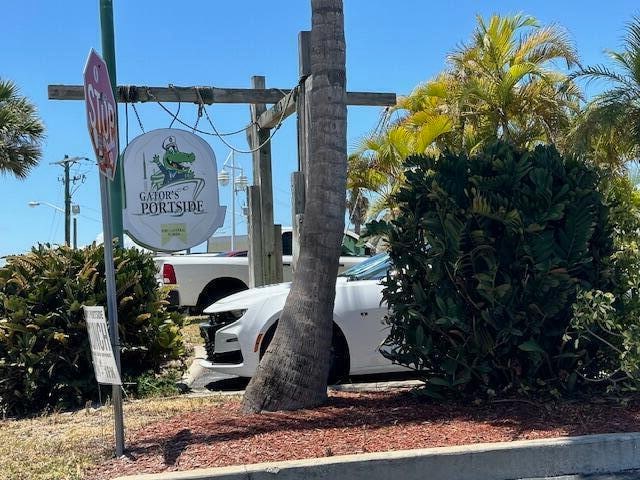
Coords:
pixel 45 359
pixel 612 318
pixel 489 252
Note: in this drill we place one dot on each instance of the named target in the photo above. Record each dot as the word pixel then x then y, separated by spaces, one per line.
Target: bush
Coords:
pixel 489 252
pixel 612 318
pixel 45 359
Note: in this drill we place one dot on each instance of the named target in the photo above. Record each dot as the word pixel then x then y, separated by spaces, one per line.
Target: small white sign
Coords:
pixel 104 363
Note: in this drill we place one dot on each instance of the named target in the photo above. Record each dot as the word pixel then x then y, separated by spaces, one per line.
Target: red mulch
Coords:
pixel 353 423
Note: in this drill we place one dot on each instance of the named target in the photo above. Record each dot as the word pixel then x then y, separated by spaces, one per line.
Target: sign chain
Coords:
pixel 177 94
pixel 135 110
pixel 275 129
pixel 216 133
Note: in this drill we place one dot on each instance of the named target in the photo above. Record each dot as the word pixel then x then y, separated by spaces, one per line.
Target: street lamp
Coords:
pixel 238 183
pixel 75 210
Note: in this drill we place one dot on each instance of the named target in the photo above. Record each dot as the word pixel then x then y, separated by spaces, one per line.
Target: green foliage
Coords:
pixel 504 83
pixel 607 130
pixel 611 319
pixel 45 360
pixel 154 384
pixel 21 132
pixel 489 252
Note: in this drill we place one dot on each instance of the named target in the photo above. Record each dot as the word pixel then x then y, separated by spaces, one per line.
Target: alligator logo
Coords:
pixel 174 166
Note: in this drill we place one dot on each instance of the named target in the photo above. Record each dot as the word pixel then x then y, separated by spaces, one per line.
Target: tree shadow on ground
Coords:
pixel 218 425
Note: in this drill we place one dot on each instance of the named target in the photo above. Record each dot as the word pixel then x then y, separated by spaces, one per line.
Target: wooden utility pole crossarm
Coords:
pixel 211 95
pixel 287 105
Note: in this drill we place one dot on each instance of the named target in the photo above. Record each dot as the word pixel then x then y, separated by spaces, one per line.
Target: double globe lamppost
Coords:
pixel 238 183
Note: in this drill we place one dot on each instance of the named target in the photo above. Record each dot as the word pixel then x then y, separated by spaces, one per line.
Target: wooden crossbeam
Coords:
pixel 281 110
pixel 210 95
pixel 283 100
pixel 287 105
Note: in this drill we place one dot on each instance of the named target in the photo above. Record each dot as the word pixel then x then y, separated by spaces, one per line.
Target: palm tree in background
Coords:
pixel 509 86
pixel 503 84
pixel 21 132
pixel 357 209
pixel 608 130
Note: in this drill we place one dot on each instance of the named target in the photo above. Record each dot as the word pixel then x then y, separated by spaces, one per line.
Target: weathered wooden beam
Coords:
pixel 297 214
pixel 262 176
pixel 277 251
pixel 304 54
pixel 255 237
pixel 371 99
pixel 281 110
pixel 210 95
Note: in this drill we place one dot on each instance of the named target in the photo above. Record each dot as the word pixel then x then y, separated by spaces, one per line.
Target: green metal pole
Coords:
pixel 109 56
pixel 111 195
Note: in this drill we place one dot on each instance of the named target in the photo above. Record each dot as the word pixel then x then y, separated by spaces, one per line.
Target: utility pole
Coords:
pixel 67 203
pixel 67 180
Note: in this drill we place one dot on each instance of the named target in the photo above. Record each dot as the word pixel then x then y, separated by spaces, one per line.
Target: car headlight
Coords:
pixel 219 319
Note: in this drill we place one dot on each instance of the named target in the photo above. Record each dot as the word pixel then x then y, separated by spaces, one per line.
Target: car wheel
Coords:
pixel 213 293
pixel 339 368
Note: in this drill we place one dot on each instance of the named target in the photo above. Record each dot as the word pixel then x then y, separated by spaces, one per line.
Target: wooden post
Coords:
pixel 277 236
pixel 304 53
pixel 297 213
pixel 255 237
pixel 262 167
pixel 302 120
pixel 306 119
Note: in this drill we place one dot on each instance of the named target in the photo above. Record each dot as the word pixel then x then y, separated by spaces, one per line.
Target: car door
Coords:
pixel 359 313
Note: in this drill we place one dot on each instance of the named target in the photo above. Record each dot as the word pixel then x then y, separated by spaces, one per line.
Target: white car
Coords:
pixel 242 325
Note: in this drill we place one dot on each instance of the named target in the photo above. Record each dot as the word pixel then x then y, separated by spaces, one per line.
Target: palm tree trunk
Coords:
pixel 293 373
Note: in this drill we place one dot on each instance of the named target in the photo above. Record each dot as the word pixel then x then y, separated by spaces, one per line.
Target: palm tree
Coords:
pixel 608 129
pixel 502 84
pixel 378 166
pixel 357 208
pixel 509 88
pixel 21 132
pixel 294 370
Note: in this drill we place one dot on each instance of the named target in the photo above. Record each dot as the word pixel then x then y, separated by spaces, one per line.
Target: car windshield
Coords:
pixel 374 268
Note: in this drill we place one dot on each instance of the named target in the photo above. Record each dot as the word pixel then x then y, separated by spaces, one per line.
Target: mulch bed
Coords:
pixel 353 423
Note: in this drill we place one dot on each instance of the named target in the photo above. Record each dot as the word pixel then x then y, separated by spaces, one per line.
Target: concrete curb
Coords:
pixel 195 370
pixel 487 461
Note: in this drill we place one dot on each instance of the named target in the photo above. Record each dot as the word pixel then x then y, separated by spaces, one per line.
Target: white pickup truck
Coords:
pixel 199 279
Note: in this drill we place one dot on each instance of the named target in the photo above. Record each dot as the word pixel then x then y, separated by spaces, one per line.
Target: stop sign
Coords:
pixel 102 113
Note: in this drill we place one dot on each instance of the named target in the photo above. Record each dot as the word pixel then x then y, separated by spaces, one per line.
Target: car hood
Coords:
pixel 246 298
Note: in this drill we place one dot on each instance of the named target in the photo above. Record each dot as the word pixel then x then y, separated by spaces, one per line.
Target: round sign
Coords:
pixel 171 190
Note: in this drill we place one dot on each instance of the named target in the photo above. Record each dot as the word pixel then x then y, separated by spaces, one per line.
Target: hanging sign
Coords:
pixel 104 362
pixel 171 190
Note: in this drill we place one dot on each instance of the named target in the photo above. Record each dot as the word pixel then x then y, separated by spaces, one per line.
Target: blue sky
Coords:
pixel 391 47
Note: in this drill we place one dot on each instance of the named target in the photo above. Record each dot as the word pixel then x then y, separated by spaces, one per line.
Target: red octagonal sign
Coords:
pixel 102 113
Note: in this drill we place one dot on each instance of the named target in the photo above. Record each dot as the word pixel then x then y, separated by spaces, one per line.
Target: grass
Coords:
pixel 191 331
pixel 64 445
